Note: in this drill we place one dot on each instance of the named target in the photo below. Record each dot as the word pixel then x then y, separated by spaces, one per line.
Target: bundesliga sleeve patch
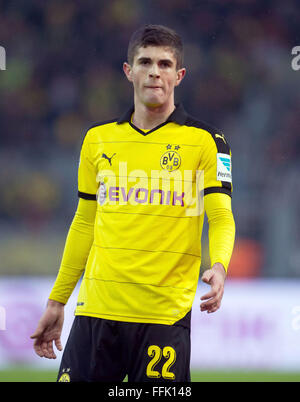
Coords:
pixel 224 167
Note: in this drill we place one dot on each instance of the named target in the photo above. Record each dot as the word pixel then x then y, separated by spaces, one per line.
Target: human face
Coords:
pixel 154 75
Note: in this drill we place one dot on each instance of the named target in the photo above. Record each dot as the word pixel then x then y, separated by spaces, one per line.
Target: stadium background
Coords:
pixel 63 72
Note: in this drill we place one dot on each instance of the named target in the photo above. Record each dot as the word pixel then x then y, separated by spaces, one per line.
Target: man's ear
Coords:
pixel 180 75
pixel 127 70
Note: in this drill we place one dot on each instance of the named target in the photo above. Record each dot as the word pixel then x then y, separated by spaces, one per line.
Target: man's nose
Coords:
pixel 154 71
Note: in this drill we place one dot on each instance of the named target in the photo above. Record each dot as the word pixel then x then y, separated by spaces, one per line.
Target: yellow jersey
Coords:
pixel 144 262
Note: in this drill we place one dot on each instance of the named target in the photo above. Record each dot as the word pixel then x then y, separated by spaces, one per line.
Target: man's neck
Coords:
pixel 147 118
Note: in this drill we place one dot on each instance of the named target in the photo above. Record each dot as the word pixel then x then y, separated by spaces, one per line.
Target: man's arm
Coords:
pixel 221 241
pixel 76 251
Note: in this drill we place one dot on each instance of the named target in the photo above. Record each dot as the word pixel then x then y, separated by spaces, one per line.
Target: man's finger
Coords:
pixel 210 294
pixel 41 328
pixel 58 344
pixel 215 297
pixel 52 355
pixel 214 308
pixel 213 302
pixel 208 306
pixel 206 277
pixel 44 347
pixel 37 333
pixel 37 348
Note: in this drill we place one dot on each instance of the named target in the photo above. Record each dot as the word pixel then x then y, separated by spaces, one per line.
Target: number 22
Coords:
pixel 156 353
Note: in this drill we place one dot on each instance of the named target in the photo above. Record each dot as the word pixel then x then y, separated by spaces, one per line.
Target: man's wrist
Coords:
pixel 218 267
pixel 54 303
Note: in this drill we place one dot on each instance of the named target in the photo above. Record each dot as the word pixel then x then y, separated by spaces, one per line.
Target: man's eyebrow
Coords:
pixel 144 59
pixel 166 61
pixel 141 59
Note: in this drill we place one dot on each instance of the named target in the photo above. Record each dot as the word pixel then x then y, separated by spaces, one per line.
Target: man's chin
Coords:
pixel 153 103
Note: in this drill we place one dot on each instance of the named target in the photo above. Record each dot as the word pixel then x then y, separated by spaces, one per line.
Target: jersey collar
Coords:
pixel 178 116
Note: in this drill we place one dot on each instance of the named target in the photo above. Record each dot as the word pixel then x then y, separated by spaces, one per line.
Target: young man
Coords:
pixel 137 232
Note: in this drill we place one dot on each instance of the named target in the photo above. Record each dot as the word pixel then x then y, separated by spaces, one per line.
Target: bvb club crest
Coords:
pixel 171 160
pixel 64 378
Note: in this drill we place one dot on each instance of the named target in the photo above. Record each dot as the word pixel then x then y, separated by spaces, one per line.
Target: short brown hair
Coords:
pixel 156 35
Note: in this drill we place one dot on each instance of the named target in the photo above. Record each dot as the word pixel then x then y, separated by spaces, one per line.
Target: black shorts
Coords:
pixel 104 350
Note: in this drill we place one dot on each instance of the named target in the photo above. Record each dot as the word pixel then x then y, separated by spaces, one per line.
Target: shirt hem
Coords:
pixel 112 317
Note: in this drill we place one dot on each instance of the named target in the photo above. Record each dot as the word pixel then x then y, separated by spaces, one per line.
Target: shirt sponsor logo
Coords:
pixel 224 167
pixel 102 193
pixel 144 196
pixel 162 187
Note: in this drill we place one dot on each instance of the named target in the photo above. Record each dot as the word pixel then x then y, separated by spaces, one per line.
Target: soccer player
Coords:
pixel 136 233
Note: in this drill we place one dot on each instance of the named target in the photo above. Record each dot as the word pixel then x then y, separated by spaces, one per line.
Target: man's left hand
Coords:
pixel 215 277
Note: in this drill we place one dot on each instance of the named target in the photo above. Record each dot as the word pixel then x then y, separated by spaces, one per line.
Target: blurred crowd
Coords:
pixel 64 72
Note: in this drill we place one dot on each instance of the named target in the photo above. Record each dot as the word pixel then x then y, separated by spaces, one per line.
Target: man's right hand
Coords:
pixel 49 330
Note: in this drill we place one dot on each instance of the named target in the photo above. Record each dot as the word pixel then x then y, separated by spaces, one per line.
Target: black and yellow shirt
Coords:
pixel 143 265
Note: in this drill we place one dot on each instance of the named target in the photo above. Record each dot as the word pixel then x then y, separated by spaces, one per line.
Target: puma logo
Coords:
pixel 108 158
pixel 220 136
